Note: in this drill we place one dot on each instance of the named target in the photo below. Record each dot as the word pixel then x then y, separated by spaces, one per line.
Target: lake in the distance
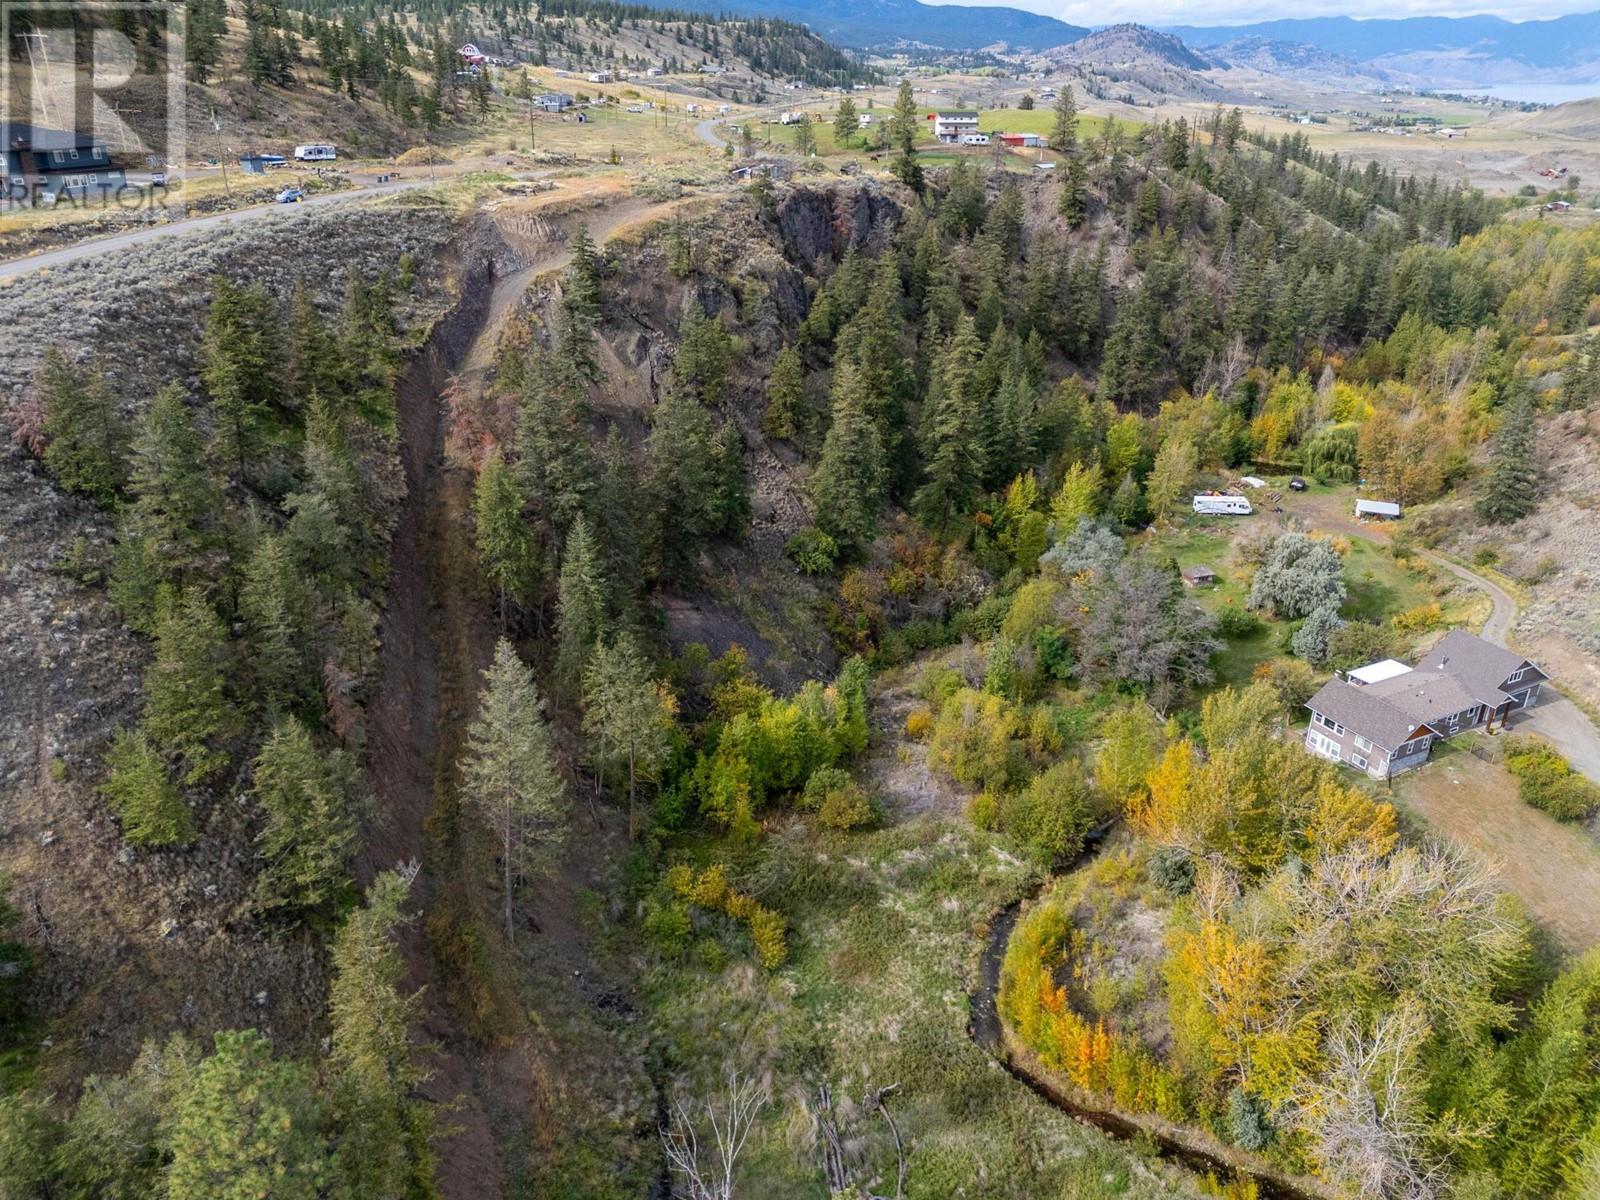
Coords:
pixel 1538 93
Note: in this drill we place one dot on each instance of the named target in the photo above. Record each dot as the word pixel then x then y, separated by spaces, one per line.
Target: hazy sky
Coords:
pixel 1230 12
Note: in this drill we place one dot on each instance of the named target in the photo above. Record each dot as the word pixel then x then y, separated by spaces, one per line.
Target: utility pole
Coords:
pixel 216 127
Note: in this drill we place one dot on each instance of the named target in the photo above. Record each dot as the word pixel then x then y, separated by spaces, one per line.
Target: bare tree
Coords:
pixel 706 1170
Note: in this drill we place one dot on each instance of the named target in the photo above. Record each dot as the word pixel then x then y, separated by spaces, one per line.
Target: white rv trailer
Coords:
pixel 1231 506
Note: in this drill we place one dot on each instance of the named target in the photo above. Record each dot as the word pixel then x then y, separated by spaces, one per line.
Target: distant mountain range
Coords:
pixel 1436 51
pixel 863 24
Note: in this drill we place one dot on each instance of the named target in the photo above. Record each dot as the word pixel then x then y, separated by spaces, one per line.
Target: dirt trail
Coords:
pixel 438 633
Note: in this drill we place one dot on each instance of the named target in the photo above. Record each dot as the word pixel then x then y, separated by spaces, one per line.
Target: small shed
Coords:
pixel 1382 510
pixel 1198 576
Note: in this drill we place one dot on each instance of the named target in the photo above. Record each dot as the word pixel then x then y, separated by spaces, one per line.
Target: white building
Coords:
pixel 952 126
pixel 599 76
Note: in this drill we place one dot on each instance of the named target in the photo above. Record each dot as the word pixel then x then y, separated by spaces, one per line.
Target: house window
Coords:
pixel 1324 746
pixel 1362 743
pixel 1516 675
pixel 1357 761
pixel 1329 723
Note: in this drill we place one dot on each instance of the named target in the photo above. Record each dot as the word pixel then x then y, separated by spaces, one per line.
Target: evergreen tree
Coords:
pixel 276 605
pixel 903 129
pixel 553 470
pixel 700 363
pixel 312 365
pixel 682 479
pixel 85 436
pixel 507 552
pixel 1064 130
pixel 141 790
pixel 1509 494
pixel 1127 503
pixel 730 496
pixel 845 123
pixel 952 437
pixel 628 713
pixel 381 1146
pixel 785 395
pixel 848 484
pixel 174 506
pixel 624 523
pixel 188 710
pixel 580 310
pixel 309 837
pixel 581 601
pixel 249 1127
pixel 509 773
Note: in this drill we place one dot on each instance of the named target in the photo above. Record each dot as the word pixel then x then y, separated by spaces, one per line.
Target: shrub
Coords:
pixel 667 927
pixel 710 889
pixel 1248 1127
pixel 1291 679
pixel 1485 556
pixel 838 801
pixel 813 551
pixel 983 810
pixel 1311 640
pixel 1236 623
pixel 1052 815
pixel 1419 619
pixel 919 723
pixel 973 739
pixel 1172 870
pixel 1032 608
pixel 1359 643
pixel 1053 652
pixel 1547 782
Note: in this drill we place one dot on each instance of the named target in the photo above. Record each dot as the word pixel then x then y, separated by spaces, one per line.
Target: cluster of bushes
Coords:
pixel 1548 782
pixel 765 746
pixel 1096 1059
pixel 1050 817
pixel 709 889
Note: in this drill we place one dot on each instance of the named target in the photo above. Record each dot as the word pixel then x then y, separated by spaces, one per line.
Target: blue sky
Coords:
pixel 1229 12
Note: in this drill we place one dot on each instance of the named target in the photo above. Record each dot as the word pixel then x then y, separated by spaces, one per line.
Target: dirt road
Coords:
pixel 195 225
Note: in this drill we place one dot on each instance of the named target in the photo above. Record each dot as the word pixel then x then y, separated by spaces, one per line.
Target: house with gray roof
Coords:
pixel 1384 718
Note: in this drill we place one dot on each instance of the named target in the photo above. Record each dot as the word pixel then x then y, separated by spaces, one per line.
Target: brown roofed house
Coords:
pixel 1198 576
pixel 1385 718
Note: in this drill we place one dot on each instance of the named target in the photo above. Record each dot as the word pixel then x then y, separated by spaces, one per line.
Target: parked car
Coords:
pixel 291 196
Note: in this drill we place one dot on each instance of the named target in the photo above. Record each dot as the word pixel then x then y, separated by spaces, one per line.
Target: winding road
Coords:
pixel 119 241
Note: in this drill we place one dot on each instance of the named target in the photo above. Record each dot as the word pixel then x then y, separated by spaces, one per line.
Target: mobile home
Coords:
pixel 1232 506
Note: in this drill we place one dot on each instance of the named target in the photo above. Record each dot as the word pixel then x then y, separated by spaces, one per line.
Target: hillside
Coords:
pixel 888 23
pixel 1134 62
pixel 1575 119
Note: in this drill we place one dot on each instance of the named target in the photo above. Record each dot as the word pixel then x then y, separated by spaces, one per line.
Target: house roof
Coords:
pixel 1482 666
pixel 1381 508
pixel 1198 572
pixel 1427 696
pixel 1360 711
pixel 960 113
pixel 1377 672
pixel 19 135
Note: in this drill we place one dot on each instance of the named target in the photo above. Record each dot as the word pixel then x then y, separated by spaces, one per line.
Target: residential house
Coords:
pixel 599 76
pixel 953 126
pixel 1023 141
pixel 553 102
pixel 38 163
pixel 1385 717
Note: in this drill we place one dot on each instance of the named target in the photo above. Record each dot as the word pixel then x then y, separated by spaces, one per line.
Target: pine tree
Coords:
pixel 581 602
pixel 624 523
pixel 188 709
pixel 1510 492
pixel 628 713
pixel 174 506
pixel 903 128
pixel 141 790
pixel 682 480
pixel 1127 503
pixel 785 395
pixel 508 555
pixel 311 367
pixel 845 123
pixel 848 484
pixel 309 836
pixel 553 470
pixel 730 495
pixel 86 440
pixel 952 437
pixel 1064 131
pixel 249 1127
pixel 700 363
pixel 276 605
pixel 876 340
pixel 381 1147
pixel 580 310
pixel 509 773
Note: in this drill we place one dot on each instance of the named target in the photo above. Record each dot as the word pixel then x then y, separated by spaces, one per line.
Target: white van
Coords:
pixel 1232 506
pixel 315 153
